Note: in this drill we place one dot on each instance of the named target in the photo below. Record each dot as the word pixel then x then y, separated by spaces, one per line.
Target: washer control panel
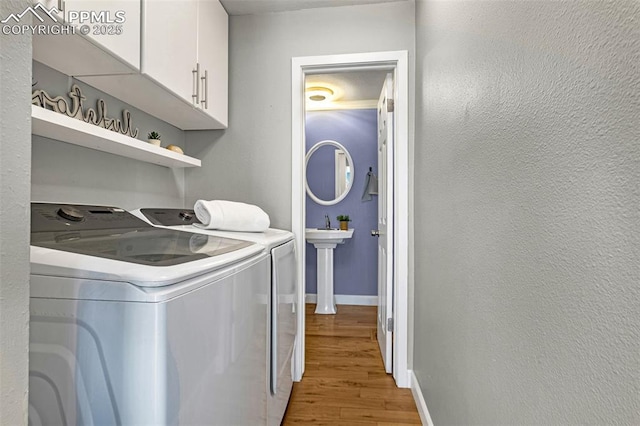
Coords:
pixel 50 217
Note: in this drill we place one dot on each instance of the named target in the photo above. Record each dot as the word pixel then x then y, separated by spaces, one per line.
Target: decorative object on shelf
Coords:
pixel 175 148
pixel 77 110
pixel 344 222
pixel 154 138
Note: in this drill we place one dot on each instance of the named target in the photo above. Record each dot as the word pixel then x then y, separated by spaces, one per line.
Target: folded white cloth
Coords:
pixel 231 216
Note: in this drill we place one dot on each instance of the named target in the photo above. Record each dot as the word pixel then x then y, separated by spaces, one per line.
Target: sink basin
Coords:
pixel 327 236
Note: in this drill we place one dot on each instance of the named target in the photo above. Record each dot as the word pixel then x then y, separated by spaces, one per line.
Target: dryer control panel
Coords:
pixel 170 217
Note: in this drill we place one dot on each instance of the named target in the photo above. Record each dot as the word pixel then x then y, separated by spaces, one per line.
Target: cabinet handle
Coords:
pixel 61 9
pixel 196 74
pixel 205 90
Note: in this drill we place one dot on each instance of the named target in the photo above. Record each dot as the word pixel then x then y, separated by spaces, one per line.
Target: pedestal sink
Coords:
pixel 325 241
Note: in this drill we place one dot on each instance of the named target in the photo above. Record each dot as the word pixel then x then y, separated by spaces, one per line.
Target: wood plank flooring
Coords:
pixel 344 381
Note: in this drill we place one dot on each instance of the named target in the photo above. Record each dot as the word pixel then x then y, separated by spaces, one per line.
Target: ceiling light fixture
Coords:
pixel 319 94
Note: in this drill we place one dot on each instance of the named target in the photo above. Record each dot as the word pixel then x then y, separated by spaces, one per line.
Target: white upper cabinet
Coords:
pixel 170 60
pixel 120 31
pixel 169 45
pixel 213 58
pixel 111 44
pixel 185 48
pixel 57 4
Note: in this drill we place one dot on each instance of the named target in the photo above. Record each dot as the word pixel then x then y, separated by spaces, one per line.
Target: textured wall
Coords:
pixel 355 262
pixel 62 172
pixel 527 245
pixel 15 172
pixel 251 161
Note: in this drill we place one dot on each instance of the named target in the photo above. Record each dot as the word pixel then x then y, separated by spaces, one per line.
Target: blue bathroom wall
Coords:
pixel 355 262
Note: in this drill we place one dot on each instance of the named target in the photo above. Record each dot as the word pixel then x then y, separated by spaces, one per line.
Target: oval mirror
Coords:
pixel 329 171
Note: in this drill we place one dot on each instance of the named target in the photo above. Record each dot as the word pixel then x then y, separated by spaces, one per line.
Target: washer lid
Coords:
pixel 57 263
pixel 144 246
pixel 112 233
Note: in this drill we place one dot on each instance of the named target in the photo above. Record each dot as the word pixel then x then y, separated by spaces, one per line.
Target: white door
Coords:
pixel 169 45
pixel 385 222
pixel 213 57
pixel 119 33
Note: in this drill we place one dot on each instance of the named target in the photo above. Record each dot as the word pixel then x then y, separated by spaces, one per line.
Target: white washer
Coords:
pixel 283 302
pixel 136 325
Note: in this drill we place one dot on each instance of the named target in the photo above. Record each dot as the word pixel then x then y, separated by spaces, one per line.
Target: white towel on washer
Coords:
pixel 231 216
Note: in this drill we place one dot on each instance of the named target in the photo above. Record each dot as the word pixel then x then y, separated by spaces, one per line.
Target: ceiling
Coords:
pixel 354 89
pixel 254 7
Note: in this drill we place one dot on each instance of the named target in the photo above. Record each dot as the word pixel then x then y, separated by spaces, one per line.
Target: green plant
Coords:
pixel 343 218
pixel 153 135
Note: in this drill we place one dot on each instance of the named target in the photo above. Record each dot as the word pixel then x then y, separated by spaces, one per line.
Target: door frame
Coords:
pixel 398 63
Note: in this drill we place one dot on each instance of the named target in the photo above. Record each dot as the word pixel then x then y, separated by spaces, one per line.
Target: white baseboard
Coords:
pixel 347 299
pixel 418 397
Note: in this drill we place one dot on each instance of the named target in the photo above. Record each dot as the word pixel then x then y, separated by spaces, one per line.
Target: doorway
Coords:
pixel 396 300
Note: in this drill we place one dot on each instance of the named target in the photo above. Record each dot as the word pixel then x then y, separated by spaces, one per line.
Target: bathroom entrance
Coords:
pixel 355 108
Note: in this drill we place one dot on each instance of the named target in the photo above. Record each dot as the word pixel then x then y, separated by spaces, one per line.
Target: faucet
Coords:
pixel 327 222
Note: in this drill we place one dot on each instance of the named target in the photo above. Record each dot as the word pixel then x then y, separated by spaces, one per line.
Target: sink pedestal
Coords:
pixel 325 242
pixel 326 303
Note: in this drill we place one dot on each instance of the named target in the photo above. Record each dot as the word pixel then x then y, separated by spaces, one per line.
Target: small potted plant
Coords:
pixel 154 138
pixel 344 222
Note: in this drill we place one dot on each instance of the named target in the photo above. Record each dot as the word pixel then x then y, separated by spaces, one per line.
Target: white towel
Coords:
pixel 231 216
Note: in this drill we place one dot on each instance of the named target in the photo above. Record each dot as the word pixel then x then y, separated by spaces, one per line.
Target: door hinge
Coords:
pixel 389 324
pixel 390 105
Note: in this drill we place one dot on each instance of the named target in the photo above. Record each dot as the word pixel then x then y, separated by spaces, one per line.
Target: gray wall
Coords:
pixel 527 167
pixel 251 161
pixel 15 169
pixel 68 173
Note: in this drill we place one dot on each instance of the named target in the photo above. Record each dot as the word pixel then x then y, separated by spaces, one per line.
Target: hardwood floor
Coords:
pixel 344 381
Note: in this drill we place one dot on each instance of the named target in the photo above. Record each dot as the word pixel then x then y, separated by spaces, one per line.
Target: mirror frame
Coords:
pixel 313 149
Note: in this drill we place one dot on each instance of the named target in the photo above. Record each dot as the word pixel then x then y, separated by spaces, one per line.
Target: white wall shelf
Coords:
pixel 53 125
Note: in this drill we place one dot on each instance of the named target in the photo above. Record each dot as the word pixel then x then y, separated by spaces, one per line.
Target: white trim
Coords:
pixel 421 404
pixel 399 62
pixel 345 105
pixel 347 299
pixel 298 208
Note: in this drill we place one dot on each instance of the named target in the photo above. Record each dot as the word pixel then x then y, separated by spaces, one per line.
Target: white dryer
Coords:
pixel 137 325
pixel 280 246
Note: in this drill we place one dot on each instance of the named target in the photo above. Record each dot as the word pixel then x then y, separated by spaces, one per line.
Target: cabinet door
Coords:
pixel 114 25
pixel 50 4
pixel 80 55
pixel 169 44
pixel 213 56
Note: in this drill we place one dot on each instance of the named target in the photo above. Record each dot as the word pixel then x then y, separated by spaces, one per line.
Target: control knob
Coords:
pixel 70 213
pixel 185 215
